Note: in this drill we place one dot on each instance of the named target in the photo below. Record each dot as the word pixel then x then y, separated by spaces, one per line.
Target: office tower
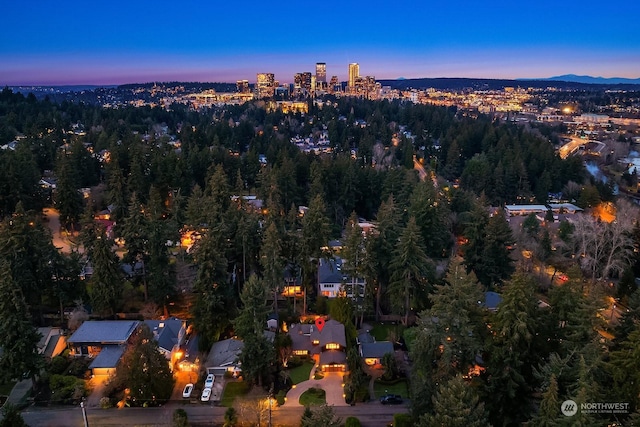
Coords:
pixel 334 85
pixel 354 74
pixel 302 83
pixel 242 86
pixel 297 82
pixel 265 85
pixel 321 72
pixel 306 81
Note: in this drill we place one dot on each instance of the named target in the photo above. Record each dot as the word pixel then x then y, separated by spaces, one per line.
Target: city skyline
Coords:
pixel 161 41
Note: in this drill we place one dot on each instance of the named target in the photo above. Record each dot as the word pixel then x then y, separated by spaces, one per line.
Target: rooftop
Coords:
pixel 376 349
pixel 108 357
pixel 166 332
pixel 224 353
pixel 333 332
pixel 104 332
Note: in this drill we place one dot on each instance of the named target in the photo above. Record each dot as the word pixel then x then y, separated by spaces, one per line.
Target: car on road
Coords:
pixel 208 383
pixel 206 395
pixel 391 399
pixel 186 393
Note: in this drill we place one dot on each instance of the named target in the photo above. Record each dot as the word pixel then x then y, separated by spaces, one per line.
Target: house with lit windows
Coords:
pixel 334 282
pixel 327 346
pixel 105 341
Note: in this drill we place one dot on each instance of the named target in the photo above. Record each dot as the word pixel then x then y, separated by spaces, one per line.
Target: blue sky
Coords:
pixel 114 42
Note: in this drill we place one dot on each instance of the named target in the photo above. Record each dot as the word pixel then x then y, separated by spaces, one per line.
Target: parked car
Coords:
pixel 186 393
pixel 208 383
pixel 206 395
pixel 391 399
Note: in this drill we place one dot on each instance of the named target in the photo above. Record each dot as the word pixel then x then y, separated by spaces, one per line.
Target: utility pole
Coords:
pixel 270 397
pixel 84 414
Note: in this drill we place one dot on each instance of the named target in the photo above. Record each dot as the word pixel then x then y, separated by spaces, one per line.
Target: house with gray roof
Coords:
pixel 373 351
pixel 52 342
pixel 105 341
pixel 94 337
pixel 333 281
pixel 327 346
pixel 169 334
pixel 224 356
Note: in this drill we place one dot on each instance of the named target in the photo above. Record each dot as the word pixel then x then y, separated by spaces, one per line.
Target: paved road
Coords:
pixel 53 222
pixel 571 147
pixel 371 414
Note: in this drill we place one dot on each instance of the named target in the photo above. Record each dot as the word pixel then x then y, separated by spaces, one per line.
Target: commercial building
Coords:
pixel 242 86
pixel 354 75
pixel 321 72
pixel 265 85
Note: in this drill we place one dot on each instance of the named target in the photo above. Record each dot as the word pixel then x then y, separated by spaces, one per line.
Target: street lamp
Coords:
pixel 84 414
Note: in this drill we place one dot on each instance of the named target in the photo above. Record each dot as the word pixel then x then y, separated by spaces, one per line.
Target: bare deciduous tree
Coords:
pixel 605 248
pixel 77 316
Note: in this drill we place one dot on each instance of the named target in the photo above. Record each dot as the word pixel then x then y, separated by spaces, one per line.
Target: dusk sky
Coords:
pixel 64 42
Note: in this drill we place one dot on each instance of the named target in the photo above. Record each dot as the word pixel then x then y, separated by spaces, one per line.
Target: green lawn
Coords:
pixel 398 388
pixel 233 390
pixel 5 388
pixel 300 373
pixel 380 331
pixel 313 396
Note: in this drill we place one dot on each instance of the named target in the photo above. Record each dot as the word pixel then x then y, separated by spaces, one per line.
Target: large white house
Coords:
pixel 334 282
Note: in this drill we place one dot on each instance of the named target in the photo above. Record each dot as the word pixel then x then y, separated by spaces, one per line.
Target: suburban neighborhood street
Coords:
pixel 53 222
pixel 371 414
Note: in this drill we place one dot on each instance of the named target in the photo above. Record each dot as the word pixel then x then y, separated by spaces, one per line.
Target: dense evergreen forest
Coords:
pixel 437 246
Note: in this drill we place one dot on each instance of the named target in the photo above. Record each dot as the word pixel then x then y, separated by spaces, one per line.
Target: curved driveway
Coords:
pixel 331 384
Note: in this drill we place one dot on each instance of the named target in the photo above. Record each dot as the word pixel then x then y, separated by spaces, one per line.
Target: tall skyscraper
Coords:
pixel 265 85
pixel 302 83
pixel 354 73
pixel 242 86
pixel 321 72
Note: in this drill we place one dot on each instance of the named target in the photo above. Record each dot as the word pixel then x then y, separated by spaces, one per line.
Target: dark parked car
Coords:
pixel 391 399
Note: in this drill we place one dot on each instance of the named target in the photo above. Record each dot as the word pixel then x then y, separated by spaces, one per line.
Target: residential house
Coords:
pixel 169 334
pixel 224 356
pixel 566 208
pixel 52 342
pixel 292 282
pixel 327 346
pixel 10 146
pixel 513 210
pixel 105 341
pixel 301 339
pixel 334 282
pixel 272 322
pixel 373 351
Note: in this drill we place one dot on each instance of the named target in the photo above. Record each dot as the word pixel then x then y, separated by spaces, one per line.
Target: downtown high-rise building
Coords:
pixel 334 85
pixel 321 72
pixel 354 75
pixel 242 86
pixel 265 85
pixel 302 83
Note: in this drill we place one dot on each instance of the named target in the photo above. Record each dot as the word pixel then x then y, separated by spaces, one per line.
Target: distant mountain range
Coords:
pixel 568 81
pixel 594 80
